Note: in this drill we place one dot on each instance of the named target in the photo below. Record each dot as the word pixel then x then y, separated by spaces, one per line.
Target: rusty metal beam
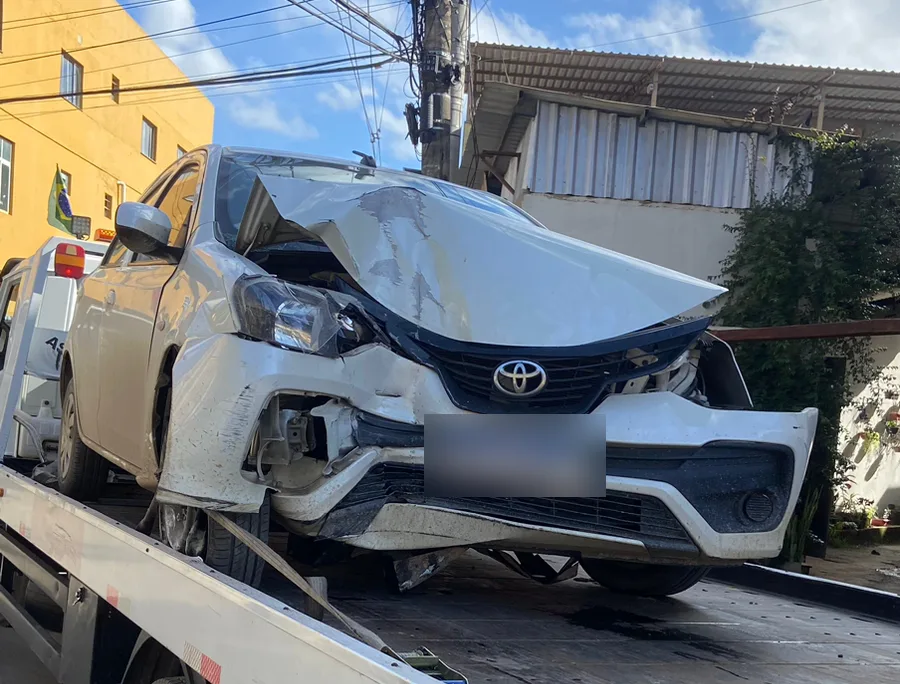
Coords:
pixel 811 331
pixel 496 173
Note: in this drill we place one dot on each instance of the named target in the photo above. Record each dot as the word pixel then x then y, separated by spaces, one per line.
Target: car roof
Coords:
pixel 317 158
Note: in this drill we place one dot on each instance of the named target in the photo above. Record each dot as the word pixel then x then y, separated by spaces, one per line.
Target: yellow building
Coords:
pixel 110 146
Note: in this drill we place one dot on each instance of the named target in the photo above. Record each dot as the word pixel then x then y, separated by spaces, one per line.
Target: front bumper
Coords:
pixel 679 501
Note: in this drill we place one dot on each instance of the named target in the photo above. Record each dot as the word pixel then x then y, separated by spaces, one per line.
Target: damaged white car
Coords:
pixel 270 331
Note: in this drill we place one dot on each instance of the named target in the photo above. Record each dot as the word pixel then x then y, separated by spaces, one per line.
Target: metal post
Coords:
pixel 460 46
pixel 440 73
pixel 820 114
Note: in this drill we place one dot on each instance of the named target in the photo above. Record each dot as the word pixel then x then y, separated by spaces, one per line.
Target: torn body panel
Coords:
pixel 467 274
pixel 210 436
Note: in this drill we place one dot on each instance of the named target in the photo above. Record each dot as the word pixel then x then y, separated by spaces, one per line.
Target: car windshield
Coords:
pixel 237 172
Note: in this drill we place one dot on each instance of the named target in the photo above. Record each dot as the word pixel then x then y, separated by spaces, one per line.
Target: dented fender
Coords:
pixel 222 383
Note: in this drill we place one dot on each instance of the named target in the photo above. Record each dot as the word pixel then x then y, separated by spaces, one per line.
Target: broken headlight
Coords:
pixel 291 316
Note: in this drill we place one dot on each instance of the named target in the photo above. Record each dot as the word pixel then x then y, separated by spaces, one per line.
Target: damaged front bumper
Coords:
pixel 685 483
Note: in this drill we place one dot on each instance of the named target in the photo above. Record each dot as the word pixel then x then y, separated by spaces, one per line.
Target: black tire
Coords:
pixel 643 579
pixel 82 472
pixel 221 551
pixel 227 555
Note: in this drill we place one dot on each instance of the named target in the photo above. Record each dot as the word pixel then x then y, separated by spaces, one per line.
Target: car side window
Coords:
pixel 177 202
pixel 9 312
pixel 116 255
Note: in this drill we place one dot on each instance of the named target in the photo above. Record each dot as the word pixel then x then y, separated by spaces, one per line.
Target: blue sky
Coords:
pixel 324 115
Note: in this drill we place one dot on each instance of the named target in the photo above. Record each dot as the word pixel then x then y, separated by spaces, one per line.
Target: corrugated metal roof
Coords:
pixel 784 94
pixel 591 153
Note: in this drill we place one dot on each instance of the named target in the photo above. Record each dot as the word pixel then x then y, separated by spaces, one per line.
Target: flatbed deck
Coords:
pixel 497 627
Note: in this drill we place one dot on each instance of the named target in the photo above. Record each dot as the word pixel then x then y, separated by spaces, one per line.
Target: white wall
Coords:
pixel 876 472
pixel 682 237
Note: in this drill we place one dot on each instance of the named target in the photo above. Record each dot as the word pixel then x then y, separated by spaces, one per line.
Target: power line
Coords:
pixel 310 25
pixel 68 149
pixel 160 34
pixel 252 77
pixel 367 15
pixel 308 82
pixel 76 14
pixel 701 26
pixel 351 52
pixel 339 26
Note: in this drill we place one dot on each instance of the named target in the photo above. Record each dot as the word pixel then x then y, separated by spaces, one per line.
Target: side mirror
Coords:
pixel 143 229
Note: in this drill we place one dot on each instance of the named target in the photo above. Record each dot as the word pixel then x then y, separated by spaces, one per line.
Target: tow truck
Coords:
pixel 101 603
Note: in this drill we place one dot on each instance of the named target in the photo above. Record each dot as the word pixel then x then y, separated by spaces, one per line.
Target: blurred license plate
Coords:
pixel 476 455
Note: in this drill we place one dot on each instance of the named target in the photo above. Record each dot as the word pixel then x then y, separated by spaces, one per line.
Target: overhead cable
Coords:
pixel 123 41
pixel 252 77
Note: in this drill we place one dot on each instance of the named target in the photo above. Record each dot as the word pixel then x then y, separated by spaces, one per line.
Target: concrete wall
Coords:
pixel 100 143
pixel 876 473
pixel 682 237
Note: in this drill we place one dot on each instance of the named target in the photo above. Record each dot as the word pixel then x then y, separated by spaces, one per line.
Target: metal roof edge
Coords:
pixel 475 45
pixel 645 111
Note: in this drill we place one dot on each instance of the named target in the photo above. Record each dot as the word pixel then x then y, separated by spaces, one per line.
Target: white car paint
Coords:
pixel 441 276
pixel 209 440
pixel 479 276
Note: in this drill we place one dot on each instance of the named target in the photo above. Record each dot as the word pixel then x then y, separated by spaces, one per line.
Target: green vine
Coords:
pixel 816 253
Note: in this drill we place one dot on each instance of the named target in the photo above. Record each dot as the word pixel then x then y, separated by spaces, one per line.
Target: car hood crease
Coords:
pixel 465 273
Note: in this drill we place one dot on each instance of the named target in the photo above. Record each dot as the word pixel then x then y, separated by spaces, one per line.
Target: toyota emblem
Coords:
pixel 520 378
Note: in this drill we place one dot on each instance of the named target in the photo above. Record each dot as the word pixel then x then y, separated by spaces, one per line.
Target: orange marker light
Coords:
pixel 69 261
pixel 104 235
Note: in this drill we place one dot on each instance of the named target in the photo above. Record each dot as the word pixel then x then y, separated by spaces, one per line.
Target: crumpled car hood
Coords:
pixel 466 273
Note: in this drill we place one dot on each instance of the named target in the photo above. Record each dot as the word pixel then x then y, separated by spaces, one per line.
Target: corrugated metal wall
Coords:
pixel 597 154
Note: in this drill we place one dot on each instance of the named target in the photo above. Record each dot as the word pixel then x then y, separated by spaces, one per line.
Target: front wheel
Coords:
pixel 191 532
pixel 82 472
pixel 643 579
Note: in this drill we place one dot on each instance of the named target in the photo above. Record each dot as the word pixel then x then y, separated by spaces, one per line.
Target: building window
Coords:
pixel 71 80
pixel 107 205
pixel 114 89
pixel 148 140
pixel 179 152
pixel 6 175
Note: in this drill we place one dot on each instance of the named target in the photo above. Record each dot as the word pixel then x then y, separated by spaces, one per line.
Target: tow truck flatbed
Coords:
pixel 496 626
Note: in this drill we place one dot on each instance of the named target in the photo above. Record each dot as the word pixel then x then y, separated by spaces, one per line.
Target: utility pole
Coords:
pixel 445 47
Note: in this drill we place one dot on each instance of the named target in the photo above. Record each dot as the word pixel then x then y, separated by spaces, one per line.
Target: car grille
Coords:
pixel 575 384
pixel 633 516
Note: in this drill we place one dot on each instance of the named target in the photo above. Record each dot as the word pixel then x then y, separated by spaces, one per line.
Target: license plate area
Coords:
pixel 476 455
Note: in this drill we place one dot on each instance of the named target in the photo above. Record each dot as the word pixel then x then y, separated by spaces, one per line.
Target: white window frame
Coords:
pixel 6 163
pixel 71 84
pixel 148 126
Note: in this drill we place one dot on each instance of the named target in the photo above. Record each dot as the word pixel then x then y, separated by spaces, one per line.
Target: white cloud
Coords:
pixel 341 98
pixel 262 114
pixel 615 32
pixel 248 108
pixel 507 28
pixel 836 34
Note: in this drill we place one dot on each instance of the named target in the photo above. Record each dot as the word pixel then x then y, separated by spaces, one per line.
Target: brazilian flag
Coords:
pixel 59 211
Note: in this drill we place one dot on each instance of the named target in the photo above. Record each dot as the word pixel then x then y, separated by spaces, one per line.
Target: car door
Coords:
pixel 131 301
pixel 83 341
